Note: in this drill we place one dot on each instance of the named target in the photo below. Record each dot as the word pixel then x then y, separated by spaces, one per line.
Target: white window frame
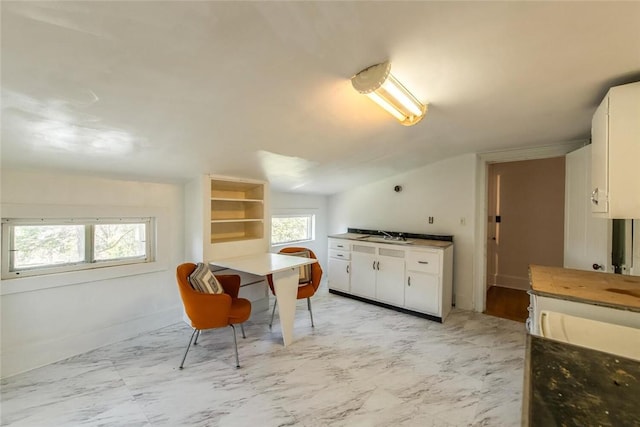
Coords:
pixel 8 225
pixel 311 232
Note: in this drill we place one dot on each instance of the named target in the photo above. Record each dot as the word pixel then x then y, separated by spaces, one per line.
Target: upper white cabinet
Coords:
pixel 587 239
pixel 225 217
pixel 615 135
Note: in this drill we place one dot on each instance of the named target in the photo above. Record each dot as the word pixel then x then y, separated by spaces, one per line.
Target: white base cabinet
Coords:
pixel 417 279
pixel 339 265
pixel 339 274
pixel 429 287
pixel 390 272
pixel 585 310
pixel 422 293
pixel 363 270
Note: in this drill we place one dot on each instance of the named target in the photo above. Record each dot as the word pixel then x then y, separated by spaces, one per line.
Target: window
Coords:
pixel 34 247
pixel 292 228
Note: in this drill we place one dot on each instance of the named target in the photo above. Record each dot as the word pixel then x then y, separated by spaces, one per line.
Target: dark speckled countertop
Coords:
pixel 567 385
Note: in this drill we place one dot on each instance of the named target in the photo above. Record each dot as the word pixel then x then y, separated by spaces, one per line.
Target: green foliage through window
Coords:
pixel 32 247
pixel 113 241
pixel 38 245
pixel 293 228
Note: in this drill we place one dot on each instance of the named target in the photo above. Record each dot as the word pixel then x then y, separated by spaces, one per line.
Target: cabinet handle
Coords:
pixel 340 255
pixel 427 262
pixel 347 269
pixel 594 196
pixel 340 246
pixel 378 265
pixel 374 265
pixel 409 281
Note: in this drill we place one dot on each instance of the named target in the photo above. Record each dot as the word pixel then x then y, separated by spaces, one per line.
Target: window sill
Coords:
pixel 296 243
pixel 36 283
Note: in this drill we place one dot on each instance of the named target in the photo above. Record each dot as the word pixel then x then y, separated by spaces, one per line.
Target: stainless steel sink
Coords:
pixel 395 241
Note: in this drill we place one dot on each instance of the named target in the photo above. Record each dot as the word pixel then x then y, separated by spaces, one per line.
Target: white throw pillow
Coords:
pixel 202 280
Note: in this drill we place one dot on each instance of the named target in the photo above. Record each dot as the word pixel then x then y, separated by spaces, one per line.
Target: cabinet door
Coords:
pixel 339 274
pixel 600 158
pixel 390 280
pixel 363 274
pixel 587 238
pixel 422 293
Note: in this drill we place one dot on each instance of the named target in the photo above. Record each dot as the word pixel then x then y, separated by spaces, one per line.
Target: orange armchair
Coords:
pixel 208 311
pixel 306 290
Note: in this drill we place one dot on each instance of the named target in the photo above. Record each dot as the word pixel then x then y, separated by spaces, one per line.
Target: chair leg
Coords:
pixel 185 353
pixel 273 312
pixel 235 343
pixel 197 336
pixel 242 329
pixel 310 311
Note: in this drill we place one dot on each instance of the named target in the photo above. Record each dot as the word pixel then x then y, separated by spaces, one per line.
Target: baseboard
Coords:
pixel 389 306
pixel 37 354
pixel 512 282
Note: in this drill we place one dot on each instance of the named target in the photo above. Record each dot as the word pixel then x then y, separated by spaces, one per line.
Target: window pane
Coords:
pixel 290 229
pixel 117 241
pixel 42 245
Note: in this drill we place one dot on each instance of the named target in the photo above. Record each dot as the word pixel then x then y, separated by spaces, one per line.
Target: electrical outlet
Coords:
pixel 430 220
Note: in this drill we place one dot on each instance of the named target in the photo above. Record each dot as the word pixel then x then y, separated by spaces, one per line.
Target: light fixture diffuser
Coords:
pixel 381 86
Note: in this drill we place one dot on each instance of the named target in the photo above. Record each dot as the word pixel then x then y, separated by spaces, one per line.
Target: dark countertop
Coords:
pixel 567 385
pixel 415 242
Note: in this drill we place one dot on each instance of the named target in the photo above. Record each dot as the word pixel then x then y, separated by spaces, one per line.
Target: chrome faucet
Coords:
pixel 386 235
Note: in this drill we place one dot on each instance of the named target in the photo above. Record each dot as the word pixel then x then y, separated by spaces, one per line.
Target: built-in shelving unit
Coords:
pixel 228 217
pixel 237 210
pixel 225 217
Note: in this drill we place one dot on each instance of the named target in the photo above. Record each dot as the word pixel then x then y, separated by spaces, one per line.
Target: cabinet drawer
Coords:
pixel 339 244
pixel 428 262
pixel 339 254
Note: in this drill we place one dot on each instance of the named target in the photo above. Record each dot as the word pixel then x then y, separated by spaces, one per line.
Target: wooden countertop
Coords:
pixel 616 290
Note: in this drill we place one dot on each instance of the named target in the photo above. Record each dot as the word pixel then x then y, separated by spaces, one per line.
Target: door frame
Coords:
pixel 482 188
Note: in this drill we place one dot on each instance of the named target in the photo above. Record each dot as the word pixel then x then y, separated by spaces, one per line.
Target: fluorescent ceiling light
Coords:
pixel 380 85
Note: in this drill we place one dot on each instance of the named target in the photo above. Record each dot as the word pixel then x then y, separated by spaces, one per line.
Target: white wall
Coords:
pixel 52 317
pixel 445 190
pixel 293 203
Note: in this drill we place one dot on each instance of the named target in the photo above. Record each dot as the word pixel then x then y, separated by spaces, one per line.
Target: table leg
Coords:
pixel 285 284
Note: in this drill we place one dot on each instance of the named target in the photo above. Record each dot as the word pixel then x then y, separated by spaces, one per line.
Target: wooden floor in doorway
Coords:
pixel 507 303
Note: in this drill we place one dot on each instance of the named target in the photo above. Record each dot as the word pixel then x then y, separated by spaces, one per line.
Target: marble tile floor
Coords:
pixel 361 365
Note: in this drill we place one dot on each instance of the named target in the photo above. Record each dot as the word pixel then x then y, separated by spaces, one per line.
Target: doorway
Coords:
pixel 525 225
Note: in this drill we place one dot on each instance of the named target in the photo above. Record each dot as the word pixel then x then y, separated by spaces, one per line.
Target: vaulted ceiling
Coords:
pixel 165 91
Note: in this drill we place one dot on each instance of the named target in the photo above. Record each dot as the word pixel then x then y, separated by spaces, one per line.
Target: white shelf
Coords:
pixel 218 221
pixel 233 199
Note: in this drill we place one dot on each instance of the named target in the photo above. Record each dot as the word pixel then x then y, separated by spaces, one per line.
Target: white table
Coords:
pixel 285 273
